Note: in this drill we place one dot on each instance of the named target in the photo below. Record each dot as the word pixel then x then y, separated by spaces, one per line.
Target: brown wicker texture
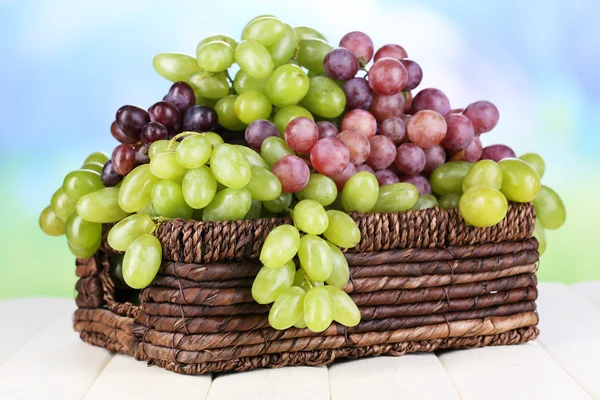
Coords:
pixel 423 281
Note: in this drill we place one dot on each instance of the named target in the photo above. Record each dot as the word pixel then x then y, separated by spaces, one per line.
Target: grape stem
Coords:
pixel 307 280
pixel 171 146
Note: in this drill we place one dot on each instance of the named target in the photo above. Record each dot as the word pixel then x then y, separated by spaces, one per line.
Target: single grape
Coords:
pixel 434 157
pixel 471 153
pixel 310 217
pixel 449 201
pixel 97 157
pixel 536 161
pixel 244 82
pixel 360 44
pixel 273 149
pixel 301 134
pixel 141 154
pixel 327 129
pixel 266 31
pixel 549 208
pixel 460 132
pixel 210 85
pixel 287 309
pixel 420 182
pixel 384 107
pixel 448 178
pixel 199 119
pixel 280 204
pixel 497 152
pixel 136 188
pixel 341 178
pixel 394 128
pixel 168 201
pixel 315 257
pixel 426 128
pixel 159 147
pixel 318 309
pixel 80 182
pixel 520 182
pixel 119 135
pixel 284 115
pixel 280 246
pixel 229 166
pixel 386 177
pixel 214 138
pixel 340 272
pixel 319 188
pixel 358 94
pixel 360 193
pixel 127 230
pixel 287 85
pixel 181 95
pixel 483 114
pixel 109 176
pixel 358 145
pixel 342 229
pixel 431 99
pixel 365 168
pixel 165 166
pixel 344 310
pixel 228 205
pixel 311 54
pixel 193 152
pixel 123 159
pixel 482 206
pixel 383 152
pixel 153 131
pixel 414 72
pixel 396 197
pixel 388 76
pixel 50 223
pixel 81 252
pixel 168 115
pixel 93 166
pixel 304 33
pixel 340 64
pixel 61 205
pixel 254 59
pixel 410 159
pixel 263 185
pixel 540 234
pixel 199 187
pixel 292 172
pixel 215 56
pixel 142 261
pixel 284 49
pixel 251 106
pixel 175 67
pixel 217 38
pixel 425 201
pixel 360 121
pixel 82 233
pixel 131 120
pixel 101 206
pixel 258 131
pixel 226 114
pixel 329 156
pixel 391 50
pixel 324 97
pixel 484 173
pixel 270 283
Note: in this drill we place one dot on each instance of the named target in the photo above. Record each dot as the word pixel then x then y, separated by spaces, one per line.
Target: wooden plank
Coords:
pixel 54 363
pixel 413 376
pixel 23 318
pixel 289 383
pixel 570 333
pixel 125 378
pixel 509 372
pixel 589 290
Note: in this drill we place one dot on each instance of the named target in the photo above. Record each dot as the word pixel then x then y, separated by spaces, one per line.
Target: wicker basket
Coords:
pixel 423 280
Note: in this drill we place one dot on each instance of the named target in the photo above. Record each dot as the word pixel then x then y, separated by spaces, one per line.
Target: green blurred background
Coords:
pixel 68 65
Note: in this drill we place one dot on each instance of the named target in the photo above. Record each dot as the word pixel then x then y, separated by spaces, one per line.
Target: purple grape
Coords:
pixel 471 153
pixel 421 183
pixel 118 134
pixel 131 120
pixel 292 172
pixel 340 64
pixel 109 176
pixel 182 96
pixel 141 154
pixel 391 50
pixel 360 121
pixel 341 178
pixel 200 119
pixel 394 128
pixel 415 74
pixel 431 99
pixel 410 159
pixel 168 115
pixel 388 76
pixel 358 145
pixel 459 134
pixel 384 107
pixel 326 129
pixel 301 134
pixel 365 167
pixel 152 132
pixel 383 152
pixel 497 152
pixel 386 177
pixel 483 114
pixel 123 159
pixel 258 131
pixel 360 44
pixel 434 157
pixel 329 156
pixel 358 94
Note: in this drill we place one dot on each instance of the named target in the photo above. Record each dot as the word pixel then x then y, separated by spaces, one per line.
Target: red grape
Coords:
pixel 358 94
pixel 166 114
pixel 327 129
pixel 483 114
pixel 141 154
pixel 434 157
pixel 497 152
pixel 258 131
pixel 358 145
pixel 408 99
pixel 394 128
pixel 360 44
pixel 152 132
pixel 471 153
pixel 420 182
pixel 340 64
pixel 200 119
pixel 391 50
pixel 301 134
pixel 387 76
pixel 426 128
pixel 384 107
pixel 431 99
pixel 460 132
pixel 383 152
pixel 292 172
pixel 123 159
pixel 415 74
pixel 118 134
pixel 131 120
pixel 181 95
pixel 386 177
pixel 109 176
pixel 410 159
pixel 360 121
pixel 364 168
pixel 329 156
pixel 341 178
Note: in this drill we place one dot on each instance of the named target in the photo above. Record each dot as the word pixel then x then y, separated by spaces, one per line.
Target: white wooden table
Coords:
pixel 42 358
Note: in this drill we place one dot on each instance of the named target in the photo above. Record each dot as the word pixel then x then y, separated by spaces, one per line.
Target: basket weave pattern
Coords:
pixel 423 280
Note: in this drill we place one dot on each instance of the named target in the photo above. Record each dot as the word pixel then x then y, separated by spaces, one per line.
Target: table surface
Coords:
pixel 42 357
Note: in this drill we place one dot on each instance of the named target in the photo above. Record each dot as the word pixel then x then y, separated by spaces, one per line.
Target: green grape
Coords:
pixel 284 49
pixel 228 205
pixel 287 85
pixel 252 156
pixel 360 192
pixel 300 324
pixel 284 115
pixel 484 173
pixel 136 188
pixel 299 278
pixel 280 204
pixel 483 206
pixel 448 178
pixel 225 109
pixel 167 200
pixel 340 272
pixel 215 56
pixel 318 309
pixel 305 33
pixel 263 185
pixel 271 282
pixel 425 201
pixel 280 246
pixel 199 187
pixel 287 309
pixel 260 17
pixel 101 206
pixel 93 166
pixel 61 205
pixel 84 252
pixel 204 101
pixel 99 157
pixel 243 83
pixel 148 209
pixel 324 97
pixel 254 59
pixel 165 166
pixel 82 233
pixel 310 217
pixel 320 188
pixel 344 310
pixel 273 149
pixel 311 54
pixel 549 208
pixel 252 105
pixel 540 234
pixel 342 230
pixel 160 146
pixel 210 85
pixel 230 167
pixel 255 210
pixel 520 182
pixel 80 182
pixel 217 38
pixel 214 138
pixel 315 257
pixel 50 223
pixel 142 261
pixel 536 161
pixel 127 230
pixel 175 67
pixel 193 152
pixel 266 31
pixel 395 197
pixel 449 201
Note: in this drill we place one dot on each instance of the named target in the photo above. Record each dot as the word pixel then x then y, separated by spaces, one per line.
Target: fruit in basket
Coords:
pixel 549 208
pixel 520 182
pixel 483 206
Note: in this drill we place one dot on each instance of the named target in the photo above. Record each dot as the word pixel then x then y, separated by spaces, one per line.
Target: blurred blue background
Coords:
pixel 67 65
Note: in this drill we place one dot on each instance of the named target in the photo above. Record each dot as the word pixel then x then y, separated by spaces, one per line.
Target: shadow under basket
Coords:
pixel 423 281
